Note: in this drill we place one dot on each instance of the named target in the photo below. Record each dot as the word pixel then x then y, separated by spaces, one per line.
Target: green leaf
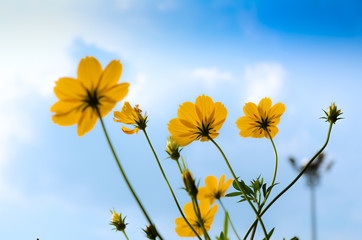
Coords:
pixel 233 194
pixel 270 234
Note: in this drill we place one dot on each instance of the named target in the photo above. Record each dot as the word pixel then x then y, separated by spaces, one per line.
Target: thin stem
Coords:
pixel 223 207
pixel 241 189
pixel 198 214
pixel 168 184
pixel 296 179
pixel 124 232
pixel 254 229
pixel 124 174
pixel 273 181
pixel 275 169
pixel 179 167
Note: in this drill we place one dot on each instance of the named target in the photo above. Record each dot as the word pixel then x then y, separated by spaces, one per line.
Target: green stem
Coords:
pixel 124 232
pixel 179 167
pixel 198 214
pixel 275 169
pixel 254 229
pixel 296 179
pixel 123 173
pixel 232 225
pixel 241 189
pixel 169 186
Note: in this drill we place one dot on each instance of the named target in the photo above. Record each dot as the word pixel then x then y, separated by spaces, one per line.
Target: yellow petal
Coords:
pixel 129 131
pixel 220 116
pixel 211 183
pixel 67 119
pixel 116 92
pixel 89 72
pixel 111 75
pixel 264 107
pixel 69 89
pixel 189 210
pixel 87 121
pixel 276 111
pixel 183 230
pixel 187 112
pixel 272 130
pixel 66 106
pixel 251 110
pixel 209 217
pixel 105 106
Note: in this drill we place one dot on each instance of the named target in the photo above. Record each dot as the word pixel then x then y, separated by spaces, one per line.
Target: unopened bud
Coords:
pixel 172 149
pixel 151 232
pixel 333 113
pixel 189 183
pixel 117 221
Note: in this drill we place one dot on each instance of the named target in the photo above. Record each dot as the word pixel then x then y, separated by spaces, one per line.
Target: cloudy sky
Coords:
pixel 56 185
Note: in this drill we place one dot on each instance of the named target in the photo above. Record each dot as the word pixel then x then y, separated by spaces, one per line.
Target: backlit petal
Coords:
pixel 116 92
pixel 251 110
pixel 264 107
pixel 111 75
pixel 69 89
pixel 87 121
pixel 89 72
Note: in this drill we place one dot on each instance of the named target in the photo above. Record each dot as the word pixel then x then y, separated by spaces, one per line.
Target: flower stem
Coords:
pixel 124 232
pixel 232 225
pixel 168 184
pixel 275 169
pixel 241 189
pixel 198 214
pixel 296 179
pixel 124 174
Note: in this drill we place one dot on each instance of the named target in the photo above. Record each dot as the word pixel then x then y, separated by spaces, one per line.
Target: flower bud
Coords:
pixel 333 113
pixel 117 221
pixel 172 149
pixel 189 183
pixel 151 232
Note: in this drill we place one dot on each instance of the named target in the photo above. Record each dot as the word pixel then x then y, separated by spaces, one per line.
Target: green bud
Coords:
pixel 151 232
pixel 189 183
pixel 117 221
pixel 172 149
pixel 333 114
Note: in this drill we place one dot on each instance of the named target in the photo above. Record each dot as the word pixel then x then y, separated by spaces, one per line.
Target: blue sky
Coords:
pixel 56 185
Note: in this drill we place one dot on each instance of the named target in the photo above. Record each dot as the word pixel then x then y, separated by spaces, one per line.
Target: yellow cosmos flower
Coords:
pixel 129 115
pixel 260 119
pixel 212 190
pixel 93 90
pixel 207 216
pixel 197 121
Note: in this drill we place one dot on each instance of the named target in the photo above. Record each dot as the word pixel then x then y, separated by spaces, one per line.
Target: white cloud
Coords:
pixel 264 79
pixel 211 76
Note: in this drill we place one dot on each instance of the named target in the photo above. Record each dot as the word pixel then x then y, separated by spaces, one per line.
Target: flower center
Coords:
pixel 264 123
pixel 93 99
pixel 204 129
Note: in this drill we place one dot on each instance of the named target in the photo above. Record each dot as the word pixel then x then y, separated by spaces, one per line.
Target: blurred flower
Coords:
pixel 212 190
pixel 207 216
pixel 197 121
pixel 172 149
pixel 129 115
pixel 117 221
pixel 260 119
pixel 333 114
pixel 93 90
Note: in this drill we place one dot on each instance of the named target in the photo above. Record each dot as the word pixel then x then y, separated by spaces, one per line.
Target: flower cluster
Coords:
pixel 96 91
